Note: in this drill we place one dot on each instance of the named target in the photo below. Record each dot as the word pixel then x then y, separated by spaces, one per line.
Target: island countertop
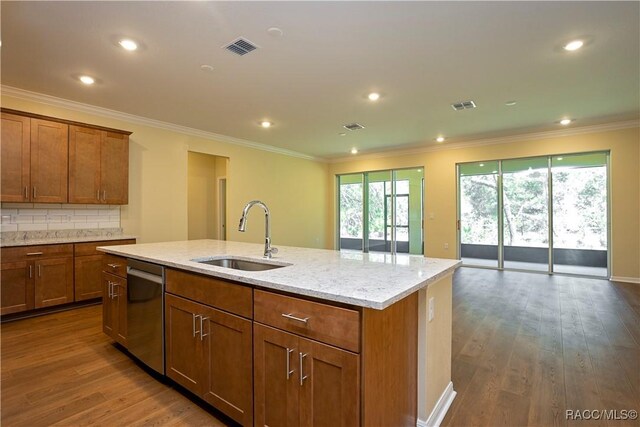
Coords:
pixel 371 280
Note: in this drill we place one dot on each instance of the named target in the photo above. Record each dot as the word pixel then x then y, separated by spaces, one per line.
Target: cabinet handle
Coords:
pixel 297 319
pixel 195 331
pixel 39 270
pixel 114 266
pixel 30 271
pixel 98 195
pixel 35 194
pixel 302 376
pixel 26 192
pixel 34 253
pixel 109 291
pixel 114 293
pixel 104 195
pixel 289 370
pixel 202 335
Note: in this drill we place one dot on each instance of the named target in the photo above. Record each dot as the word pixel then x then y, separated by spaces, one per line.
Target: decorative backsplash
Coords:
pixel 51 217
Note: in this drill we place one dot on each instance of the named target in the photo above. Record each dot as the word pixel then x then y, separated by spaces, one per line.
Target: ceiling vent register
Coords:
pixel 353 126
pixel 464 105
pixel 240 46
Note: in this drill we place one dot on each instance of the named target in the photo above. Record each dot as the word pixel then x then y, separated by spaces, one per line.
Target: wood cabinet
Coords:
pixel 50 160
pixel 34 160
pixel 301 382
pixel 209 352
pixel 88 266
pixel 98 166
pixel 36 277
pixel 114 307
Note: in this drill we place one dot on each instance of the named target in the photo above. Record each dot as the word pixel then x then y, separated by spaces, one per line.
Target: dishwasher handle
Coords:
pixel 144 275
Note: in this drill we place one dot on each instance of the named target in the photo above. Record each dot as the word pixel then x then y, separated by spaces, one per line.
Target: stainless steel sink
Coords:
pixel 239 264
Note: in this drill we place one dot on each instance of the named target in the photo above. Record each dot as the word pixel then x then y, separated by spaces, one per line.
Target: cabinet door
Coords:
pixel 228 346
pixel 88 277
pixel 114 168
pixel 84 165
pixel 109 306
pixel 53 281
pixel 184 355
pixel 16 287
pixel 49 161
pixel 15 156
pixel 330 393
pixel 120 297
pixel 275 372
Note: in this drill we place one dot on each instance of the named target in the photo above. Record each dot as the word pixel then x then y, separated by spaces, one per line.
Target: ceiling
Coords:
pixel 420 56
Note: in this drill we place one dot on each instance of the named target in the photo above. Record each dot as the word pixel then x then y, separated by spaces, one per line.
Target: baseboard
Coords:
pixel 441 408
pixel 625 279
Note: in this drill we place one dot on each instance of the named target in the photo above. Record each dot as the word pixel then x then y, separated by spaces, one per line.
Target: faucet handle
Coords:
pixel 274 250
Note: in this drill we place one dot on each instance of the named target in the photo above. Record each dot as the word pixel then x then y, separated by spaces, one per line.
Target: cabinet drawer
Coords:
pixel 25 253
pixel 81 249
pixel 115 265
pixel 231 297
pixel 332 325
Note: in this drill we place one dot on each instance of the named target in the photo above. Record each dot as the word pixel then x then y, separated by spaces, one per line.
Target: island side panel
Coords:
pixel 389 364
pixel 434 354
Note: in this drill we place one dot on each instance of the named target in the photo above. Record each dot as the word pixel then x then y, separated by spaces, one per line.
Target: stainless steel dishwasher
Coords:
pixel 145 313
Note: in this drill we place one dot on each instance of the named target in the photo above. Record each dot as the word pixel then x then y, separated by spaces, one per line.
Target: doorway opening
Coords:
pixel 206 196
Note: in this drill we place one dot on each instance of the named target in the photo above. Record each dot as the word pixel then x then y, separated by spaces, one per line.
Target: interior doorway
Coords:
pixel 206 196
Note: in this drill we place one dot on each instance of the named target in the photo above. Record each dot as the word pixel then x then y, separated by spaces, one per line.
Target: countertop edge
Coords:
pixel 378 305
pixel 65 240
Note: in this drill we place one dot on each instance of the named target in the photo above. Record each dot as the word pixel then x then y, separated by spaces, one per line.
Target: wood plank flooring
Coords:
pixel 525 348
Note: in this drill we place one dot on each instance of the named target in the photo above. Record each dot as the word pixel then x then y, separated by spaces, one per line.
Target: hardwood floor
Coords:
pixel 60 369
pixel 525 348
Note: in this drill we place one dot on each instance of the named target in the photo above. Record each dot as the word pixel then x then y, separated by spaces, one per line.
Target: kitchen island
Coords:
pixel 326 337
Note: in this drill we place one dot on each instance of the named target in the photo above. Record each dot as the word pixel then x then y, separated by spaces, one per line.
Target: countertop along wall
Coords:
pixel 440 186
pixel 294 188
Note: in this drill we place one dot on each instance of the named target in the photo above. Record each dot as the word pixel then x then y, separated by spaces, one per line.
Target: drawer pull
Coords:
pixel 289 370
pixel 297 319
pixel 114 266
pixel 34 253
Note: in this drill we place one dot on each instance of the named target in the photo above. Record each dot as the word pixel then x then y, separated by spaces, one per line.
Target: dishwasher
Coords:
pixel 145 313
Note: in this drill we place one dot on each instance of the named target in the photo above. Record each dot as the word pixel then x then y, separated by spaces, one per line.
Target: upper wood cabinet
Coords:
pixel 49 160
pixel 34 160
pixel 98 166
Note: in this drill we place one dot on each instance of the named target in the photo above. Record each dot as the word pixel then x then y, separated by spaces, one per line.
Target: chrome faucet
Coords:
pixel 268 250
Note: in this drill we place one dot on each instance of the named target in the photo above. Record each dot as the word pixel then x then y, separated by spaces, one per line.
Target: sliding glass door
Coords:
pixel 381 211
pixel 538 214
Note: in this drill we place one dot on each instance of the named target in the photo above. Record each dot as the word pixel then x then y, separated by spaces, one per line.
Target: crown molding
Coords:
pixel 493 141
pixel 139 120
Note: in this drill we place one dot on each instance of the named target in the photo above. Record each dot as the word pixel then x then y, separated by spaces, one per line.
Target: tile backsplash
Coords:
pixel 49 216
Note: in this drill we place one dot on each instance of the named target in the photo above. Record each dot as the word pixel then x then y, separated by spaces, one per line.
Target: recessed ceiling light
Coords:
pixel 373 96
pixel 440 139
pixel 354 150
pixel 266 124
pixel 128 44
pixel 481 165
pixel 573 45
pixel 565 122
pixel 87 80
pixel 510 103
pixel 275 32
pixel 206 67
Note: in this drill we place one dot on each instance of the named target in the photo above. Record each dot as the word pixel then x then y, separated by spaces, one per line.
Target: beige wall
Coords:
pixel 440 187
pixel 294 189
pixel 201 196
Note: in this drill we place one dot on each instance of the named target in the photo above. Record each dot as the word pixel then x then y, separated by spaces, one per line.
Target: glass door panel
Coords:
pixel 580 214
pixel 408 208
pixel 478 187
pixel 525 185
pixel 351 211
pixel 379 191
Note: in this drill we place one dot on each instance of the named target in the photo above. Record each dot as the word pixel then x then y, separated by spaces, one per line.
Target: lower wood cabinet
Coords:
pixel 301 382
pixel 88 273
pixel 209 352
pixel 114 307
pixel 17 287
pixel 53 281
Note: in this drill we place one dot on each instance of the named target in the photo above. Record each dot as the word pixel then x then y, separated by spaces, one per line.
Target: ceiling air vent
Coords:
pixel 353 126
pixel 240 46
pixel 464 105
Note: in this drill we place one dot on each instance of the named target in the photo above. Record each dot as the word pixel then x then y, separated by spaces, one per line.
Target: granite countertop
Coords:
pixel 373 280
pixel 12 239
